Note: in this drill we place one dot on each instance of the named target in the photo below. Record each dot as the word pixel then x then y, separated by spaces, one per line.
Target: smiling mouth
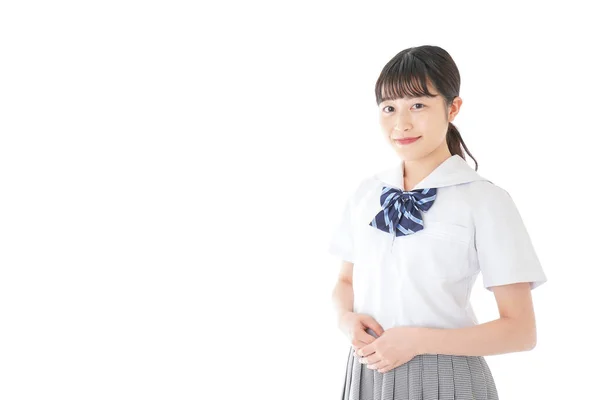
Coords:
pixel 407 140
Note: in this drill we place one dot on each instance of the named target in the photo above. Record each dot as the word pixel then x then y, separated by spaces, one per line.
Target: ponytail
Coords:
pixel 455 141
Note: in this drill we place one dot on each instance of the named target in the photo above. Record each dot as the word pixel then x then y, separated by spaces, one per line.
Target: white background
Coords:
pixel 170 173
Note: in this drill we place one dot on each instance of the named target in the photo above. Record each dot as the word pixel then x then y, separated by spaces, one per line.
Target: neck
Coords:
pixel 417 170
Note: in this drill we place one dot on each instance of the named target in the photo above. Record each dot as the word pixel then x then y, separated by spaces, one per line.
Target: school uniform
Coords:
pixel 416 256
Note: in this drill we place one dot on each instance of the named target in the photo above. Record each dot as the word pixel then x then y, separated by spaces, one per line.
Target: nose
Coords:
pixel 402 123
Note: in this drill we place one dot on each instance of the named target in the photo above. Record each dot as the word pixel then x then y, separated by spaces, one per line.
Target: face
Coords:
pixel 425 118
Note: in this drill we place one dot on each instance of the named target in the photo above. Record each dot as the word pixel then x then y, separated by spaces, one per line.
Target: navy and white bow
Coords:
pixel 401 211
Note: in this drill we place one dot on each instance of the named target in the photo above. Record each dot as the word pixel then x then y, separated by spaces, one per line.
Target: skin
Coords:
pixel 423 116
pixel 513 331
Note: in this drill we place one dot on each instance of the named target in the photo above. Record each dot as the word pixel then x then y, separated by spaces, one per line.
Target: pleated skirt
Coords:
pixel 424 377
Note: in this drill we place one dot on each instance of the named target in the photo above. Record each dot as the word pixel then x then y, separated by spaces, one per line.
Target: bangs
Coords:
pixel 406 77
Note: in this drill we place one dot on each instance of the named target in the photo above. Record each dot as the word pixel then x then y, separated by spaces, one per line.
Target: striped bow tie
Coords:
pixel 401 211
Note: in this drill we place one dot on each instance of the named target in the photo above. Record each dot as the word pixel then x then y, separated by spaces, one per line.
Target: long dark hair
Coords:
pixel 406 75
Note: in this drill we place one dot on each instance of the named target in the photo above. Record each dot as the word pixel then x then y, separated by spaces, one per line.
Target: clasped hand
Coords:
pixel 391 349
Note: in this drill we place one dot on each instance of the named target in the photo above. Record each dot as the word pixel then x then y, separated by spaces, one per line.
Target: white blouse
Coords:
pixel 425 278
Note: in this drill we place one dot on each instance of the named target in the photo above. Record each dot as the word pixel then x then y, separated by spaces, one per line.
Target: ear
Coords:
pixel 454 108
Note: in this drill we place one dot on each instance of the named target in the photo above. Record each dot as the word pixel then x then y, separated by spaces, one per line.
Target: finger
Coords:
pixel 387 368
pixel 374 327
pixel 377 365
pixel 358 344
pixel 370 360
pixel 364 337
pixel 361 338
pixel 357 347
pixel 366 351
pixel 355 352
pixel 367 340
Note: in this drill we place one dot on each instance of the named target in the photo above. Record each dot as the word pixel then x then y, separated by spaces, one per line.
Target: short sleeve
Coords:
pixel 341 241
pixel 504 249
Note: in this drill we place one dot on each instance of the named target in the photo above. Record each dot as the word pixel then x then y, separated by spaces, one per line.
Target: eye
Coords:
pixel 416 104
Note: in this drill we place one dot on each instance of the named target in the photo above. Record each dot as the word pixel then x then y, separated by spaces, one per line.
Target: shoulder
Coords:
pixel 492 203
pixel 485 191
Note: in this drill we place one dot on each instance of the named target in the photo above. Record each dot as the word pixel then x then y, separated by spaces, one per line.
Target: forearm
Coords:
pixel 343 298
pixel 503 335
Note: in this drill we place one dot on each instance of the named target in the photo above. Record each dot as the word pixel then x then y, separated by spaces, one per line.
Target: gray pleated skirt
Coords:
pixel 424 377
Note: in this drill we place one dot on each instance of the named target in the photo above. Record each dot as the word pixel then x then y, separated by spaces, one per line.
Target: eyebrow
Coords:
pixel 412 98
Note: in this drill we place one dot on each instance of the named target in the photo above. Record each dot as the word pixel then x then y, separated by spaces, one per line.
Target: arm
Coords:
pixel 343 294
pixel 514 331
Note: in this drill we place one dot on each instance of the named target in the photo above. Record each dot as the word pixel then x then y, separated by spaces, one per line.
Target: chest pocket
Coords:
pixel 440 251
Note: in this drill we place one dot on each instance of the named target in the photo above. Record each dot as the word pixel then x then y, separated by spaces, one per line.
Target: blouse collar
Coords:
pixel 452 171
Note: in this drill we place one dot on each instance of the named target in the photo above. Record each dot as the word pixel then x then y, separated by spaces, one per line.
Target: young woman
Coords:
pixel 413 239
